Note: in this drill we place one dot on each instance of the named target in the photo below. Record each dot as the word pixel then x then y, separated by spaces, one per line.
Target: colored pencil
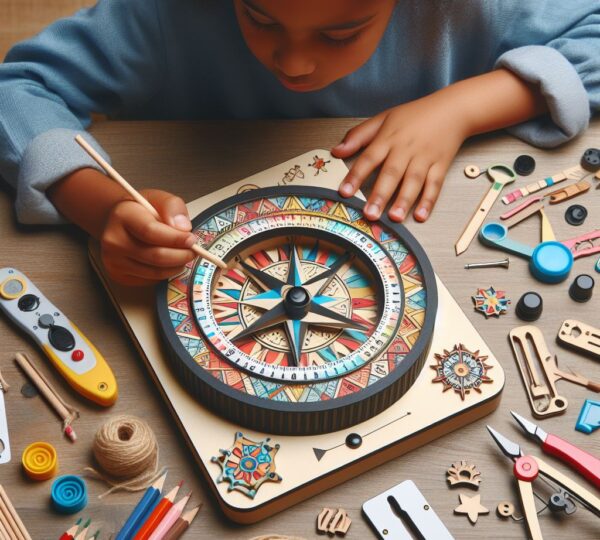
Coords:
pixel 182 524
pixel 14 521
pixel 112 173
pixel 142 510
pixel 170 518
pixel 70 534
pixel 157 515
pixel 83 533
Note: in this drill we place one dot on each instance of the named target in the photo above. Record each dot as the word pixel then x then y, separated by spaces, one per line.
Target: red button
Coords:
pixel 77 355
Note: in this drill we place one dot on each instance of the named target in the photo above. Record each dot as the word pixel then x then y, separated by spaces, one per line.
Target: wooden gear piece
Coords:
pixel 462 473
pixel 461 370
pixel 532 354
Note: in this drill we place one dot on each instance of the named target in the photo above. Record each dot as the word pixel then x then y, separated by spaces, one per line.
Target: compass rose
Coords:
pixel 295 303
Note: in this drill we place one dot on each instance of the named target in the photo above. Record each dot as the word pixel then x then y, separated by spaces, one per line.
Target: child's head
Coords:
pixel 308 44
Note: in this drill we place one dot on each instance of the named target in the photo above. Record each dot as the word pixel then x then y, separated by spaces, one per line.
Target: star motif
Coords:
pixel 491 302
pixel 272 301
pixel 471 506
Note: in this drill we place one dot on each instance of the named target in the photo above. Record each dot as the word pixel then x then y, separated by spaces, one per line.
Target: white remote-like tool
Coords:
pixel 77 360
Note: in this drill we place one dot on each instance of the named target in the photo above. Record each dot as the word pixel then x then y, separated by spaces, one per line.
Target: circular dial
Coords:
pixel 321 320
pixel 300 307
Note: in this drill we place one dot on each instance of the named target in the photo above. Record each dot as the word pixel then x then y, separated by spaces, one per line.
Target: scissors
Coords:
pixel 526 469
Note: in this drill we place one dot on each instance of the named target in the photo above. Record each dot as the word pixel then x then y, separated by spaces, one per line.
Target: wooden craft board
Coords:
pixel 385 436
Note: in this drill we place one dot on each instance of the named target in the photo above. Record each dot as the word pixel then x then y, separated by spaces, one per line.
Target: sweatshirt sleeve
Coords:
pixel 563 60
pixel 104 60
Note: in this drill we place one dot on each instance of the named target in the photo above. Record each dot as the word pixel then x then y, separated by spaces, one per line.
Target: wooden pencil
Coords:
pixel 182 524
pixel 112 173
pixel 14 517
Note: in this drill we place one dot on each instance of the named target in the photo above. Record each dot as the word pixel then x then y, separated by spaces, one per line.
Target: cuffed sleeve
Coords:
pixel 105 59
pixel 559 83
pixel 48 158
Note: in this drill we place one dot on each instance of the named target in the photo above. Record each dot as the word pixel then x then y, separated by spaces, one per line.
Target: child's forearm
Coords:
pixel 493 101
pixel 85 198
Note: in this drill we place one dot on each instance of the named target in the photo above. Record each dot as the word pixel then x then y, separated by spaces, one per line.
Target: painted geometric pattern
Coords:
pixel 415 303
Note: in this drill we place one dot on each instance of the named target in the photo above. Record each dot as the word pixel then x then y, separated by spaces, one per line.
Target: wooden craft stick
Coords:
pixel 66 412
pixel 136 196
pixel 5 501
pixel 6 531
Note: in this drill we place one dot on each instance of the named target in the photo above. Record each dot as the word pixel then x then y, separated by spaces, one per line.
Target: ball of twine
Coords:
pixel 126 451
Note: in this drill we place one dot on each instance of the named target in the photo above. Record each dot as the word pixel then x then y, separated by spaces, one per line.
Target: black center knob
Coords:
pixel 296 302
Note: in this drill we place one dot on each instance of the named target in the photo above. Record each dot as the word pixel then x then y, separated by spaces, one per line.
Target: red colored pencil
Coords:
pixel 157 514
pixel 70 534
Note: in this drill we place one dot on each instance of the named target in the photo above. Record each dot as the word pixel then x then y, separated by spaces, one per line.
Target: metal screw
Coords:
pixel 503 263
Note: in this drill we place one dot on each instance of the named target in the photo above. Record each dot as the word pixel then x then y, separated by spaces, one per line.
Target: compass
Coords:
pixel 321 320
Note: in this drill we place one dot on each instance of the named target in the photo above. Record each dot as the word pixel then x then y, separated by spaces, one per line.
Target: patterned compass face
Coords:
pixel 301 307
pixel 321 319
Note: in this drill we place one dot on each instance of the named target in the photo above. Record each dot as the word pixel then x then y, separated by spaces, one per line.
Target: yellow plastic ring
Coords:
pixel 13 287
pixel 40 461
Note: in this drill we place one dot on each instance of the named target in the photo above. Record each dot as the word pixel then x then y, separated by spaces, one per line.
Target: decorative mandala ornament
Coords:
pixel 491 302
pixel 247 464
pixel 461 370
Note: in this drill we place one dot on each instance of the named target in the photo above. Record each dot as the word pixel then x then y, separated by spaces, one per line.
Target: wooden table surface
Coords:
pixel 192 159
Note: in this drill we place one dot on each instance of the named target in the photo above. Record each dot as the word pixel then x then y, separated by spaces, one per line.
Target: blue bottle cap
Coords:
pixel 69 494
pixel 551 262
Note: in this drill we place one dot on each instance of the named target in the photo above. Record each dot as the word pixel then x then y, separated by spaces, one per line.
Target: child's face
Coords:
pixel 308 44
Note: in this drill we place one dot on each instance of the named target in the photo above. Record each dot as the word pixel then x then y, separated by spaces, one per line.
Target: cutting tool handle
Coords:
pixel 584 463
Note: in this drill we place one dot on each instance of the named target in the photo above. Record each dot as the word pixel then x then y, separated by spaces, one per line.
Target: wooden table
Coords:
pixel 192 159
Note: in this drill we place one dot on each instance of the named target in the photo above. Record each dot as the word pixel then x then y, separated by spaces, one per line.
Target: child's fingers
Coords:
pixel 368 161
pixel 140 224
pixel 411 186
pixel 358 136
pixel 431 191
pixel 386 184
pixel 162 257
pixel 171 208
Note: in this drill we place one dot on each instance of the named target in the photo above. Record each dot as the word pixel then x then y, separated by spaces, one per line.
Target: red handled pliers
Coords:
pixel 527 469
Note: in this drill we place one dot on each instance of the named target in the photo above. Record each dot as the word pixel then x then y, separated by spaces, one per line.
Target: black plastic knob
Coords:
pixel 60 338
pixel 590 160
pixel 576 214
pixel 529 306
pixel 582 288
pixel 28 302
pixel 524 165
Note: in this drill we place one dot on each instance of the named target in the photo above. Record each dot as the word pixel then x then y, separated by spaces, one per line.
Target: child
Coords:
pixel 428 73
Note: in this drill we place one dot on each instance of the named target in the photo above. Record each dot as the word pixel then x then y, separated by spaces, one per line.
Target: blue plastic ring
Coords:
pixel 69 494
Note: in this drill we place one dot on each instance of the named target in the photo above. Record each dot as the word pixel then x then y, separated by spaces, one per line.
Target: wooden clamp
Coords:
pixel 532 355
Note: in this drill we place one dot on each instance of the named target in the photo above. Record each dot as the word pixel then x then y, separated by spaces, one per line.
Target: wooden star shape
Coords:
pixel 471 506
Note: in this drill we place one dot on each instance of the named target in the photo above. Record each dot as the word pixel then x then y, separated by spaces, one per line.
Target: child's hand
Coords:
pixel 414 144
pixel 137 249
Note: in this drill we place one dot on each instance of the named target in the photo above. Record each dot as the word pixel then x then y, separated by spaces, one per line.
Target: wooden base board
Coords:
pixel 432 411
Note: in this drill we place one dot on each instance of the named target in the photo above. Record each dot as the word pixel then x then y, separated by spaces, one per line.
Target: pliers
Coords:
pixel 579 460
pixel 526 470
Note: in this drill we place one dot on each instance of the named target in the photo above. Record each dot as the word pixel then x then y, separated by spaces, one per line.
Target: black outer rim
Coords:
pixel 301 418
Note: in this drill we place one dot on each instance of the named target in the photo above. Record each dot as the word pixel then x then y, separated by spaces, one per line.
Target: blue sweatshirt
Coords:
pixel 186 59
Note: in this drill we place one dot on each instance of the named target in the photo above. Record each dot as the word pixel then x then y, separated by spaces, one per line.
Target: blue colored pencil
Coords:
pixel 142 510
